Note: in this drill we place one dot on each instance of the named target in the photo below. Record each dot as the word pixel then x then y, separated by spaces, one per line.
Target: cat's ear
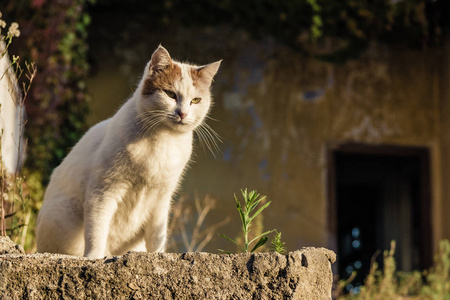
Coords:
pixel 206 73
pixel 160 59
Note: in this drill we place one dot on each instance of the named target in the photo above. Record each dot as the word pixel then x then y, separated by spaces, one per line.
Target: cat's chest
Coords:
pixel 160 158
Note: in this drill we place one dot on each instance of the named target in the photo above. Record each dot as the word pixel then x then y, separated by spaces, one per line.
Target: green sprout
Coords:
pixel 251 201
pixel 277 244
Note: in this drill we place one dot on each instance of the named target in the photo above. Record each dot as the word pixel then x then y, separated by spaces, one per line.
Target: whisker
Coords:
pixel 216 135
pixel 200 138
pixel 150 123
pixel 212 142
pixel 155 125
pixel 212 136
pixel 207 138
pixel 143 116
pixel 212 119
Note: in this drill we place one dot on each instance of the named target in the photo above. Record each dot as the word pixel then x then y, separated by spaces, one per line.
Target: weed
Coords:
pixel 277 244
pixel 389 283
pixel 251 201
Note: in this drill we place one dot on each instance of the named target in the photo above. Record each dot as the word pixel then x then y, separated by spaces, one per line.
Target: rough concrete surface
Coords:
pixel 302 274
pixel 8 247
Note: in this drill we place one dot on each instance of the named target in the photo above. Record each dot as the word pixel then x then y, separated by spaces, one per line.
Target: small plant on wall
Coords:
pixel 277 244
pixel 248 210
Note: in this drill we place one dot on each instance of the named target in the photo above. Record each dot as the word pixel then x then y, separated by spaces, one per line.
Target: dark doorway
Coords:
pixel 379 194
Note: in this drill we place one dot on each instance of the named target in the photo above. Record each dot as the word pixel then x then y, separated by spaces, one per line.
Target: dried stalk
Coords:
pixel 190 227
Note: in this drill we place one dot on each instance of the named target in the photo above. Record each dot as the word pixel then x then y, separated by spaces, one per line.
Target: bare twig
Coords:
pixel 189 227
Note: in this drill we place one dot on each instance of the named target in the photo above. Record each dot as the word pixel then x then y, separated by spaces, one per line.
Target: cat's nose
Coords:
pixel 182 114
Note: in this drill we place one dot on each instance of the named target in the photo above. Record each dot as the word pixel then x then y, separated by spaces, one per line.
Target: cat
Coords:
pixel 113 191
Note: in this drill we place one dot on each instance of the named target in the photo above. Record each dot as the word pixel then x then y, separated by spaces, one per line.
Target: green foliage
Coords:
pixel 54 35
pixel 277 244
pixel 316 22
pixel 438 277
pixel 251 202
pixel 332 30
pixel 389 284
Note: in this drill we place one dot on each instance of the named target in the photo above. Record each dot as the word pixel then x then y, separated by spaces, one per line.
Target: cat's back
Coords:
pixel 79 163
pixel 84 152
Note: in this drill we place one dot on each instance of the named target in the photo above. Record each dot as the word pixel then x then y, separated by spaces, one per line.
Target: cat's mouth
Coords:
pixel 180 123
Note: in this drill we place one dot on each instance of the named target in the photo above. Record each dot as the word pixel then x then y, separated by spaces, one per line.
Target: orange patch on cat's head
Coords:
pixel 162 79
pixel 162 73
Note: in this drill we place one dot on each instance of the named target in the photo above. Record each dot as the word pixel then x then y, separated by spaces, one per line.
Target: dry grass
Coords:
pixel 390 284
pixel 187 229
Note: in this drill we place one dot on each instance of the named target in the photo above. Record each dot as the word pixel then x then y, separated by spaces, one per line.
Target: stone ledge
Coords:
pixel 8 247
pixel 302 274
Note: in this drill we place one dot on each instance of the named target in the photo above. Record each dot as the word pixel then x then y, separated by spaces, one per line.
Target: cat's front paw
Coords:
pixel 94 254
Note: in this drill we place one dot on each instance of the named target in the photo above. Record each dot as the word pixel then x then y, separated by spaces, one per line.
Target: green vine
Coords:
pixel 332 30
pixel 316 22
pixel 58 103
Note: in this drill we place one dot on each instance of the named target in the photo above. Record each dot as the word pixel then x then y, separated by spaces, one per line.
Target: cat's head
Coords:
pixel 175 95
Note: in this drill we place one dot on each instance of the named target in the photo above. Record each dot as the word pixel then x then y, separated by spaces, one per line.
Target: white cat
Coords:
pixel 112 192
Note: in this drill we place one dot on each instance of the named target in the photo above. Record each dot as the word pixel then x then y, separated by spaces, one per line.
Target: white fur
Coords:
pixel 112 192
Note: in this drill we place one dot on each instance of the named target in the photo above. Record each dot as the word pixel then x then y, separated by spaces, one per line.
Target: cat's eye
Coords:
pixel 196 100
pixel 170 94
